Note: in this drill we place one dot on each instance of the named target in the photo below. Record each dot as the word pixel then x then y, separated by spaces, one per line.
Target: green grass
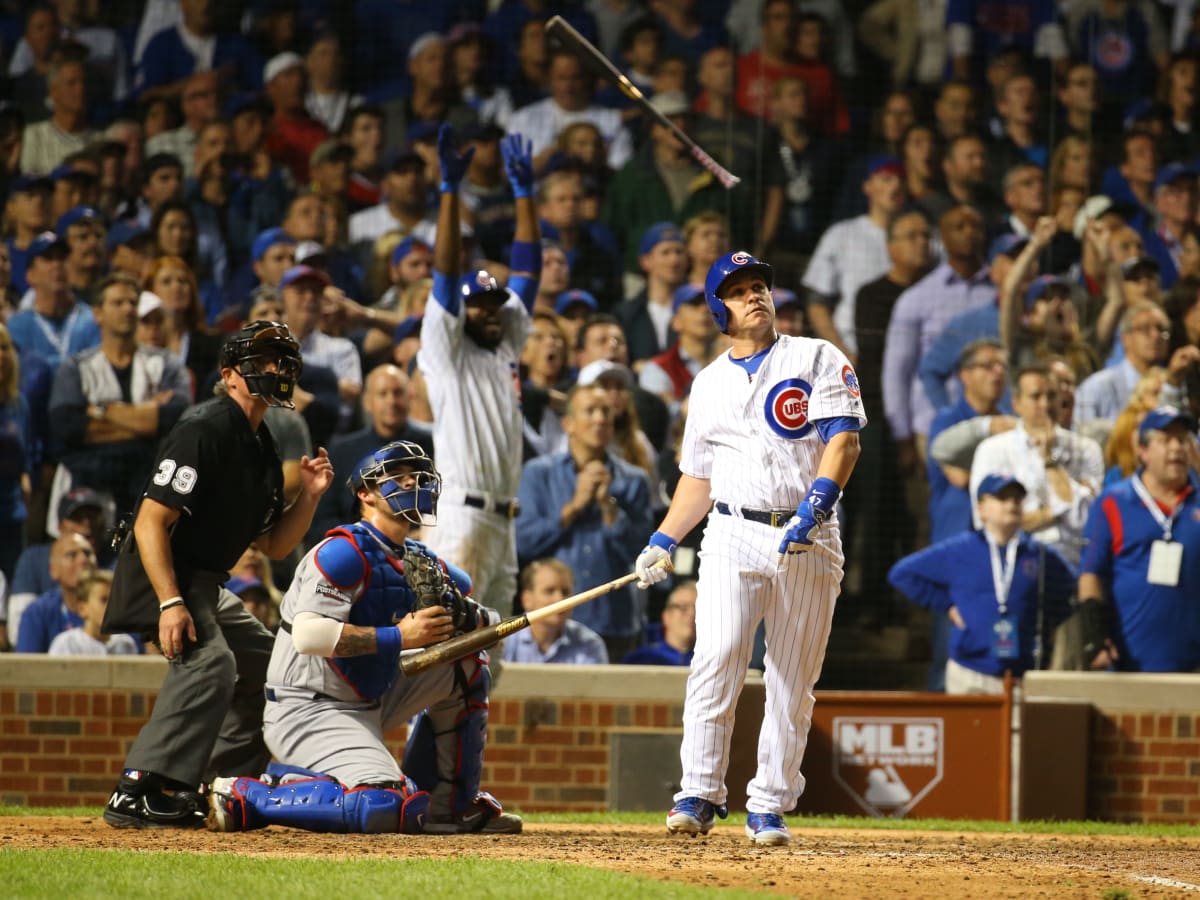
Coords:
pixel 128 874
pixel 861 822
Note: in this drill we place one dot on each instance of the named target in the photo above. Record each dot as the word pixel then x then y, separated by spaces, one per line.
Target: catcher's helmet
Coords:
pixel 250 349
pixel 727 265
pixel 383 469
pixel 479 284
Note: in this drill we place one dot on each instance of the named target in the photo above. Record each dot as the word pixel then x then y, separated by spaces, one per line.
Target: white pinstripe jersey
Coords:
pixel 475 395
pixel 754 437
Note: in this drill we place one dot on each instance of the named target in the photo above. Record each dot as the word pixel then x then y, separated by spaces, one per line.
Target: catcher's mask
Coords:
pixel 384 469
pixel 252 349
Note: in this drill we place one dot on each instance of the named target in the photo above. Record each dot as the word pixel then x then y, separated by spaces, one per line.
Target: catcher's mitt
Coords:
pixel 428 581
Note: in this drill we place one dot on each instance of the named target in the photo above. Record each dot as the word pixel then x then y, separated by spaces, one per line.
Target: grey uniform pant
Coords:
pixel 207 720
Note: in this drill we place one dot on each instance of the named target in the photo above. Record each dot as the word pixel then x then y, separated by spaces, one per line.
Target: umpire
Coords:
pixel 217 486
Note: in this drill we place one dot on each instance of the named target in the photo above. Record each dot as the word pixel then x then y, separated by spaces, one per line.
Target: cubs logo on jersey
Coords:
pixel 850 380
pixel 786 408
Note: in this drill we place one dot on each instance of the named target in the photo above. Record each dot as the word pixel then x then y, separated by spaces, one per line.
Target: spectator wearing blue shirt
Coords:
pixel 557 638
pixel 56 610
pixel 977 30
pixel 16 456
pixel 57 325
pixel 1001 590
pixel 678 632
pixel 591 510
pixel 1141 563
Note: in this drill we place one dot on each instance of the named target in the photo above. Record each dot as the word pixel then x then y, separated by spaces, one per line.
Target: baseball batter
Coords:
pixel 471 344
pixel 765 456
pixel 334 687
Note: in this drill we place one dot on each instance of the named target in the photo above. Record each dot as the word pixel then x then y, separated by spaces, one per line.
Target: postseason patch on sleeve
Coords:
pixel 850 380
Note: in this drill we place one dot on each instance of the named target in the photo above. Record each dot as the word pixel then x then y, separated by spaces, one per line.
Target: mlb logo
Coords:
pixel 888 764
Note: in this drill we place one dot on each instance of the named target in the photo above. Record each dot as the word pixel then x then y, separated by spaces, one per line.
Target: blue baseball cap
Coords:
pixel 1139 265
pixel 241 585
pixel 1041 285
pixel 44 243
pixel 686 293
pixel 1172 172
pixel 574 297
pixel 240 103
pixel 407 246
pixel 24 184
pixel 1164 417
pixel 268 239
pixel 784 297
pixel 657 234
pixel 995 483
pixel 58 173
pixel 76 215
pixel 1007 245
pixel 303 273
pixel 885 162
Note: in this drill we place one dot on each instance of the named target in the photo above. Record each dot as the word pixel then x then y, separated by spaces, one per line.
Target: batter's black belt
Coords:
pixel 776 518
pixel 507 509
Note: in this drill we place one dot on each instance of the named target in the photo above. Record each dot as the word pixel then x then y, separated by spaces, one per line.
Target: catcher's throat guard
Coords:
pixel 405 477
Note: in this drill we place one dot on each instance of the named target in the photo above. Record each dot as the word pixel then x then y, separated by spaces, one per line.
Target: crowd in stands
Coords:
pixel 991 206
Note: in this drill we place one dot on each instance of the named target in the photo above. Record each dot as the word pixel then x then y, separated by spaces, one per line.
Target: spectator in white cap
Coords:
pixel 292 134
pixel 151 321
pixel 429 100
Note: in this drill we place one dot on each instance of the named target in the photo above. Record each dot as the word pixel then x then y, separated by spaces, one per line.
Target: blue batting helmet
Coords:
pixel 478 284
pixel 383 469
pixel 722 269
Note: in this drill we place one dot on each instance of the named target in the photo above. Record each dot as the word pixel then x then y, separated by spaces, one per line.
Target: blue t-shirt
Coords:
pixel 660 654
pixel 1157 628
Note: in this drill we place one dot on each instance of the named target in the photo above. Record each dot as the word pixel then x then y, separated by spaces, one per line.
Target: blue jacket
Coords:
pixel 958 572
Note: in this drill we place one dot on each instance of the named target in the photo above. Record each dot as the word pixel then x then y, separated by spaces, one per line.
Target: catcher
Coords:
pixel 334 687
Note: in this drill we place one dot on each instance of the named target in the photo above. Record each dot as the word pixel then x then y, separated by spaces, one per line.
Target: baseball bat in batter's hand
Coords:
pixel 560 31
pixel 456 648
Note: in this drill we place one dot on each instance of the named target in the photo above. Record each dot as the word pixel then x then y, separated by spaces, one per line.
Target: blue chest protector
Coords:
pixel 367 557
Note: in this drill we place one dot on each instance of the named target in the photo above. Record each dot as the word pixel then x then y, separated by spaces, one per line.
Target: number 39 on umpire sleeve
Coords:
pixel 181 478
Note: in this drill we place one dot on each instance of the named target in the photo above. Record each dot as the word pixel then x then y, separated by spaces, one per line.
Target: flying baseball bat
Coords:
pixel 595 62
pixel 481 638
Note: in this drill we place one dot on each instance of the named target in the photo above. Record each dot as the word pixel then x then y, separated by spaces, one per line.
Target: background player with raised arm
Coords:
pixel 334 686
pixel 471 343
pixel 217 485
pixel 765 456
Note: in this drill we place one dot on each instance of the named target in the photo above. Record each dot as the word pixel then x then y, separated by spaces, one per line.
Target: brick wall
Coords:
pixel 64 744
pixel 1145 767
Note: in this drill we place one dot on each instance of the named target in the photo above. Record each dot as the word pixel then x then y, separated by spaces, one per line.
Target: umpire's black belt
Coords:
pixel 776 518
pixel 508 509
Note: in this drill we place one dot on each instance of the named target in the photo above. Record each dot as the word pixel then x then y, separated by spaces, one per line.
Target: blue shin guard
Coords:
pixel 325 805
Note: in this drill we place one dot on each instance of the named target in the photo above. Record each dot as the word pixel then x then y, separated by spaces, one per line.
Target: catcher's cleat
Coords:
pixel 767 830
pixel 486 817
pixel 223 806
pixel 694 815
pixel 140 802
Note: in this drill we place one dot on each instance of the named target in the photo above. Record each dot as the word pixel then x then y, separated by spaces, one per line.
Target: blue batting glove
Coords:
pixel 518 164
pixel 813 512
pixel 453 164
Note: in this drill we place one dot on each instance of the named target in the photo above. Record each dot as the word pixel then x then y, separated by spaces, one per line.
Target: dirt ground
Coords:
pixel 820 863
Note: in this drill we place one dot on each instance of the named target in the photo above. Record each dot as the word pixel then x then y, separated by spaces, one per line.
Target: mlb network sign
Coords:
pixel 888 764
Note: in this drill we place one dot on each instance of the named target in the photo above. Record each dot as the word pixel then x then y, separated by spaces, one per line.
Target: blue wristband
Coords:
pixel 665 541
pixel 526 256
pixel 447 188
pixel 387 640
pixel 823 495
pixel 521 192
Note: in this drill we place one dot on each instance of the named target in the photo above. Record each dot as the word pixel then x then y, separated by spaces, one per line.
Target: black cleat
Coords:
pixel 140 802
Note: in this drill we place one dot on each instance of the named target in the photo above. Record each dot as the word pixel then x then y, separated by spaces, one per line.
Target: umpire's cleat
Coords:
pixel 694 815
pixel 486 817
pixel 139 802
pixel 767 830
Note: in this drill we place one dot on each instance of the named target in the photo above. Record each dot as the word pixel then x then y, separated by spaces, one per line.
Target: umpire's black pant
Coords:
pixel 207 720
